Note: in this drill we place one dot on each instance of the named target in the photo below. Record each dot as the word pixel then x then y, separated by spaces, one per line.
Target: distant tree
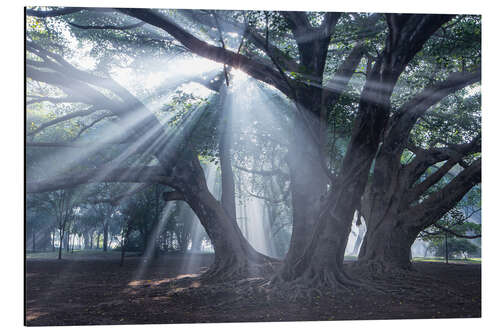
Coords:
pixel 456 247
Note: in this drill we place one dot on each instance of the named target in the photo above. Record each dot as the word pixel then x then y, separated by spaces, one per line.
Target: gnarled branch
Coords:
pixel 69 116
pixel 107 27
pixel 456 234
pixel 257 70
pixel 53 12
pixel 438 203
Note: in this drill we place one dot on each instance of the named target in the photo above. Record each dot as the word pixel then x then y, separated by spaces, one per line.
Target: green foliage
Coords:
pixel 457 247
pixel 464 219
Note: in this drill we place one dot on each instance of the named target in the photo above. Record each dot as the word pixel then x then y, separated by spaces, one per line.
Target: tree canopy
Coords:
pixel 323 117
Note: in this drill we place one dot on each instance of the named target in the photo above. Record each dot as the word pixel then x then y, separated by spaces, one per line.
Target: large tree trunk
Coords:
pixel 321 265
pixel 388 247
pixel 308 179
pixel 234 256
pixel 226 138
pixel 393 223
pixel 307 190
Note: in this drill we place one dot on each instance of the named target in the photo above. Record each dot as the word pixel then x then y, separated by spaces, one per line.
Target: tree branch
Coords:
pixel 68 144
pixel 407 116
pixel 248 33
pixel 69 116
pixel 440 202
pixel 104 27
pixel 334 88
pixel 425 158
pixel 257 70
pixel 54 12
pixel 415 192
pixel 83 129
pixel 53 100
pixel 454 233
pixel 79 91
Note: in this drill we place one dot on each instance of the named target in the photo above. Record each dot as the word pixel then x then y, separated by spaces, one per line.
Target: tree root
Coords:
pixel 233 270
pixel 315 283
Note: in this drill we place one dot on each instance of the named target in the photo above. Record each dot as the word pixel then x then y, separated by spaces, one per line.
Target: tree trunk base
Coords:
pixel 230 269
pixel 384 276
pixel 379 266
pixel 315 282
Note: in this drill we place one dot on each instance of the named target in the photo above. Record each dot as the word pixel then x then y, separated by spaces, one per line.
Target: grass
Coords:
pixel 110 254
pixel 76 254
pixel 451 261
pixel 350 257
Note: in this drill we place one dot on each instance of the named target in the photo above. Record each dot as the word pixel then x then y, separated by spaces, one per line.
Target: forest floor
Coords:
pixel 92 289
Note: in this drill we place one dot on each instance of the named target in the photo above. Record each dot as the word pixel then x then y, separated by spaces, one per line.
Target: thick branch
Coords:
pixel 69 116
pixel 456 234
pixel 407 35
pixel 409 113
pixel 54 12
pixel 84 128
pixel 250 34
pixel 334 88
pixel 425 158
pixel 415 192
pixel 77 84
pixel 79 91
pixel 440 202
pixel 68 144
pixel 312 42
pixel 109 27
pixel 257 70
pixel 60 65
pixel 54 100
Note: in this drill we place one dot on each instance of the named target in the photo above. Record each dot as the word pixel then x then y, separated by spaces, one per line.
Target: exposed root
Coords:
pixel 315 283
pixel 312 287
pixel 233 270
pixel 397 280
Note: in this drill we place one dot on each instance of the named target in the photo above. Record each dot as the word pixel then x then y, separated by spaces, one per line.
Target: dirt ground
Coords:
pixel 95 290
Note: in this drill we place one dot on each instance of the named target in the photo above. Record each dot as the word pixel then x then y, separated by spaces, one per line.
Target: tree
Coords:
pixel 407 195
pixel 179 166
pixel 323 200
pixel 63 205
pixel 455 247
